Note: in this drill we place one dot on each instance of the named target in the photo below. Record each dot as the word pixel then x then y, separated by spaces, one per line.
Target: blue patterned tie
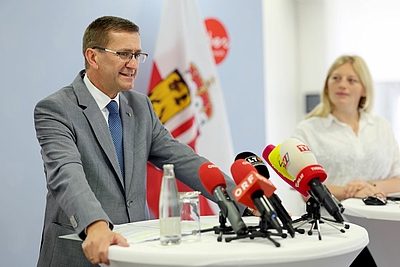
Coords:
pixel 115 125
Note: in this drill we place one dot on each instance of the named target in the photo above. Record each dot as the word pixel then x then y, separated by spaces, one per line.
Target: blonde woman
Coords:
pixel 357 149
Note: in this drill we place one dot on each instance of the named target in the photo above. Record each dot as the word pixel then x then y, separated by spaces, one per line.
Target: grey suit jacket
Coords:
pixel 81 167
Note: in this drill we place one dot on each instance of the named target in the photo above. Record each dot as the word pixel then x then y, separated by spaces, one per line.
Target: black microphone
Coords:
pixel 214 181
pixel 262 169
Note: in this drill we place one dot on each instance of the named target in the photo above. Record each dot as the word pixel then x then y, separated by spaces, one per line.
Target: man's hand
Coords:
pixel 99 238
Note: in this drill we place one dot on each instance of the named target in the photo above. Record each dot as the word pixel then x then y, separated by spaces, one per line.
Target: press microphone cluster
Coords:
pixel 260 167
pixel 294 162
pixel 213 180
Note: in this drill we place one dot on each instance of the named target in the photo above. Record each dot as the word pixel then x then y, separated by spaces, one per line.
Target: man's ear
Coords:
pixel 92 58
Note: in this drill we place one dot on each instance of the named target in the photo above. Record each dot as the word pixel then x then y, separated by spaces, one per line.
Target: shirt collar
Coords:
pixel 101 99
pixel 364 118
pixel 329 120
pixel 367 117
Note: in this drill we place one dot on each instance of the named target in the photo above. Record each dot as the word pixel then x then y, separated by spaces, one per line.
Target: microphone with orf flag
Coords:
pixel 253 189
pixel 262 169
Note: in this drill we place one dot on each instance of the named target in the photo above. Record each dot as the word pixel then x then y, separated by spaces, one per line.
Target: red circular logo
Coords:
pixel 219 39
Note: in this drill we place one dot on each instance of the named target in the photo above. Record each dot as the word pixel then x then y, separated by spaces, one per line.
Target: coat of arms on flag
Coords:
pixel 186 95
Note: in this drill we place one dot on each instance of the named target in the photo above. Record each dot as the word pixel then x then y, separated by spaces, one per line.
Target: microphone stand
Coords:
pixel 221 229
pixel 253 232
pixel 313 216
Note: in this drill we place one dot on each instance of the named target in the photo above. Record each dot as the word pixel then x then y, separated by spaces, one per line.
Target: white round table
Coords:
pixel 382 224
pixel 303 250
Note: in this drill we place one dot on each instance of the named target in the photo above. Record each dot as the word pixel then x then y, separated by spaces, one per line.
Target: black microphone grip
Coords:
pixel 283 215
pixel 266 209
pixel 324 197
pixel 230 211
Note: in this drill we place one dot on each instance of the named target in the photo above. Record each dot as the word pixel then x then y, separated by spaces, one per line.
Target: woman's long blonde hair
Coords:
pixel 325 106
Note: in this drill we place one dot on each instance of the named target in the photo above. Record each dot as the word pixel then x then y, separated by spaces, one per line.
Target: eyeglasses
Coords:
pixel 140 57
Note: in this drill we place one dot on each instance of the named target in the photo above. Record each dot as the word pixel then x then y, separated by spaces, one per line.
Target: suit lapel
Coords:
pixel 128 124
pixel 97 123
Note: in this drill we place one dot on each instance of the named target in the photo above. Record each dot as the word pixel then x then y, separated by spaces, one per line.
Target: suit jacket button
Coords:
pixel 128 203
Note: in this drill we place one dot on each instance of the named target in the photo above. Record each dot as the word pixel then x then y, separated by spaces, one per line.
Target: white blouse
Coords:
pixel 372 154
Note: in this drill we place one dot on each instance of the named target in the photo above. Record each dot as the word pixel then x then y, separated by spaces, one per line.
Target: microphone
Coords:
pixel 272 156
pixel 301 163
pixel 255 161
pixel 213 180
pixel 251 190
pixel 262 169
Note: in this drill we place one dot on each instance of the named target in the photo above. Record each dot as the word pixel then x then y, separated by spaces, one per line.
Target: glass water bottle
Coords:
pixel 169 210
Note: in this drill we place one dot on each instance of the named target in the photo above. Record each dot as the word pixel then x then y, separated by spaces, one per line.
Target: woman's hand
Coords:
pixel 361 189
pixel 351 188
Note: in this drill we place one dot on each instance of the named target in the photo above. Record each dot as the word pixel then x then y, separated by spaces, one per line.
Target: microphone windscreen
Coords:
pixel 295 155
pixel 249 181
pixel 300 162
pixel 211 177
pixel 240 169
pixel 256 161
pixel 272 156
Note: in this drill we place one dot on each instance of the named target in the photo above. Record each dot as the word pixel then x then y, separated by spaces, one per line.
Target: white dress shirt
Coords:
pixel 371 154
pixel 101 98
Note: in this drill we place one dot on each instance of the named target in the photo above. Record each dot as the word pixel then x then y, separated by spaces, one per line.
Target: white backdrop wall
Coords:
pixel 282 105
pixel 328 29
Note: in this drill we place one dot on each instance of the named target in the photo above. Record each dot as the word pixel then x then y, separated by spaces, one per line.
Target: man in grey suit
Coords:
pixel 88 192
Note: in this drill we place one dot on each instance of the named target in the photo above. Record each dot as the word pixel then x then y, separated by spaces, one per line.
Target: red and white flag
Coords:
pixel 186 94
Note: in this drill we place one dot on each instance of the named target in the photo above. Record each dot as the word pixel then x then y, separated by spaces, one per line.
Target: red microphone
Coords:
pixel 213 180
pixel 252 189
pixel 249 180
pixel 276 202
